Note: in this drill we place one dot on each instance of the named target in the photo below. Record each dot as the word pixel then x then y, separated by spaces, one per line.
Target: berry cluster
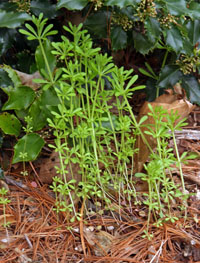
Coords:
pixel 97 4
pixel 23 5
pixel 188 64
pixel 168 20
pixel 122 20
pixel 145 9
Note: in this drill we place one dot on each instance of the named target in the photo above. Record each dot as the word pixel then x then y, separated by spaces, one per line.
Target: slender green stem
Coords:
pixel 179 162
pixel 165 58
pixel 46 61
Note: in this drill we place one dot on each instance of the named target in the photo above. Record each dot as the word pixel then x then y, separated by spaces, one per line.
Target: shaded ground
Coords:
pixel 37 234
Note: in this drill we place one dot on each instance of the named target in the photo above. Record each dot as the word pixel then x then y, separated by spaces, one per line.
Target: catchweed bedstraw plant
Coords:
pixel 88 134
pixel 162 189
pixel 4 201
pixel 28 129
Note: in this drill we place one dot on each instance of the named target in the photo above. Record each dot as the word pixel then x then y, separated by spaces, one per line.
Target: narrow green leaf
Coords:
pixel 146 73
pixel 24 32
pixel 150 69
pixel 30 28
pixel 30 146
pixel 131 81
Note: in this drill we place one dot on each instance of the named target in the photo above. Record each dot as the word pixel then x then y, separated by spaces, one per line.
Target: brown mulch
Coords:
pixel 37 234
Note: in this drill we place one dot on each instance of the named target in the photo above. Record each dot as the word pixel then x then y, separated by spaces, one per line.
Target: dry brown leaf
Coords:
pixel 48 171
pixel 169 102
pixel 100 241
pixel 27 79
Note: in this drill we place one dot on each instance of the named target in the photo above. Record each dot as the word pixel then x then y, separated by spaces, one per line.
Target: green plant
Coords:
pixel 85 128
pixel 4 201
pixel 21 100
pixel 162 189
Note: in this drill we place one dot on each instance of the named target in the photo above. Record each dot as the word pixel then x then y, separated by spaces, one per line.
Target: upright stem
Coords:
pixel 46 61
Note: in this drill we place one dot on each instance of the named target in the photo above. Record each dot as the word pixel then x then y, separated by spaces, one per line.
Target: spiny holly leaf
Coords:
pixel 72 5
pixel 118 38
pixel 97 23
pixel 10 124
pixel 169 76
pixel 12 75
pixel 153 28
pixel 12 19
pixel 142 43
pixel 18 98
pixel 193 31
pixel 28 148
pixel 5 81
pixel 192 87
pixel 45 7
pixel 176 7
pixel 174 39
pixel 121 3
pixel 194 10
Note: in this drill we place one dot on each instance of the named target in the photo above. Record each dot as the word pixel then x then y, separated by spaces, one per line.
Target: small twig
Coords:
pixel 81 229
pixel 158 253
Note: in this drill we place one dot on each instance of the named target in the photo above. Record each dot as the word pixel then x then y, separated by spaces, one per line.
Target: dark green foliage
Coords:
pixel 171 26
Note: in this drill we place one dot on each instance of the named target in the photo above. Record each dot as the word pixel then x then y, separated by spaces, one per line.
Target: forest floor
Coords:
pixel 37 234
